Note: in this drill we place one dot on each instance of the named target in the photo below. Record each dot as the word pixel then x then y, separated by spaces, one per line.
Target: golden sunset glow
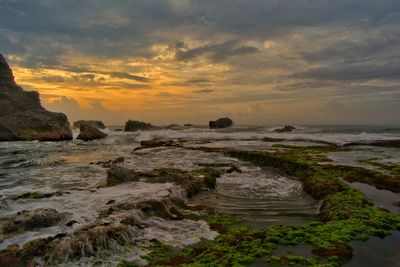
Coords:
pixel 194 61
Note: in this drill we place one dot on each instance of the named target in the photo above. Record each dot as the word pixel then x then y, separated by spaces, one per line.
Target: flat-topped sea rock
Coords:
pixel 220 123
pixel 93 123
pixel 22 116
pixel 132 126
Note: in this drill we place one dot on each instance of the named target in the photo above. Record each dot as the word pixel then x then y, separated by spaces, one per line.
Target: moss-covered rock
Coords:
pixel 31 219
pixel 191 181
pixel 346 215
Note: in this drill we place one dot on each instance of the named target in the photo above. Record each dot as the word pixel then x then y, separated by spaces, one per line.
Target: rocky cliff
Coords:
pixel 22 117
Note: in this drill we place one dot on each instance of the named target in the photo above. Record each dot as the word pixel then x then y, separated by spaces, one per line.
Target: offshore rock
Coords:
pixel 379 143
pixel 132 126
pixel 220 123
pixel 22 116
pixel 285 129
pixel 88 133
pixel 94 124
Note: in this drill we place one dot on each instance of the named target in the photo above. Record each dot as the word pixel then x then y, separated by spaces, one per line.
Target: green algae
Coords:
pixel 393 168
pixel 346 215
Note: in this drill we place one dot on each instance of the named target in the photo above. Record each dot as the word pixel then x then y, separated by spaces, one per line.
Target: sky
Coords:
pixel 264 62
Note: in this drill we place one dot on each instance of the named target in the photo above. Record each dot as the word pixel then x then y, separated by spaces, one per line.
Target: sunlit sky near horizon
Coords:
pixel 182 61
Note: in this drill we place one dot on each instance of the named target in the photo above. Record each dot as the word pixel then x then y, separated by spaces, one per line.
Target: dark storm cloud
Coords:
pixel 354 72
pixel 42 32
pixel 120 28
pixel 367 47
pixel 216 52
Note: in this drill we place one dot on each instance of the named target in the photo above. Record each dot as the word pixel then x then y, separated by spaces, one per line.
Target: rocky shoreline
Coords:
pixel 344 216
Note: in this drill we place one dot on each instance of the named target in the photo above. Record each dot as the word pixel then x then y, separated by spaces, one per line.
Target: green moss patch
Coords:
pixel 346 215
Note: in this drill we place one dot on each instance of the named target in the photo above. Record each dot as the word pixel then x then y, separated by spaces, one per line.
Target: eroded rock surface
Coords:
pixel 88 133
pixel 93 123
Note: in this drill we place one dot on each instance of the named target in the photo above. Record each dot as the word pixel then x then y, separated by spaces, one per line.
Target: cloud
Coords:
pixel 204 91
pixel 349 49
pixel 129 76
pixel 286 52
pixel 216 52
pixel 75 112
pixel 353 72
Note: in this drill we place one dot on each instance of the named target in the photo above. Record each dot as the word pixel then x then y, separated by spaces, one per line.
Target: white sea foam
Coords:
pixel 215 135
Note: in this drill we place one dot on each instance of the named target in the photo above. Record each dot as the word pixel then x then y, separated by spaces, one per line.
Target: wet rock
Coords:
pixel 119 160
pixel 378 143
pixel 111 201
pixel 286 128
pixel 38 195
pixel 157 143
pixel 269 139
pixel 92 123
pixel 191 181
pixel 117 175
pixel 160 208
pixel 91 240
pixel 28 255
pixel 132 126
pixel 109 163
pixel 233 169
pixel 70 223
pixel 88 133
pixel 31 219
pixel 22 116
pixel 220 123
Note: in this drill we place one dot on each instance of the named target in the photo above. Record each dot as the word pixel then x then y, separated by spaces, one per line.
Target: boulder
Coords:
pixel 94 124
pixel 132 126
pixel 220 123
pixel 88 133
pixel 286 128
pixel 22 116
pixel 31 219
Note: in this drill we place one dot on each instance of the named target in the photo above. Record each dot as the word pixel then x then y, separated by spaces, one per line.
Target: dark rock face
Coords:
pixel 88 133
pixel 133 125
pixel 94 124
pixel 22 116
pixel 286 128
pixel 220 123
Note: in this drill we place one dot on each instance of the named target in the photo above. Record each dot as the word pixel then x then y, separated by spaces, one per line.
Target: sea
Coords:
pixel 261 197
